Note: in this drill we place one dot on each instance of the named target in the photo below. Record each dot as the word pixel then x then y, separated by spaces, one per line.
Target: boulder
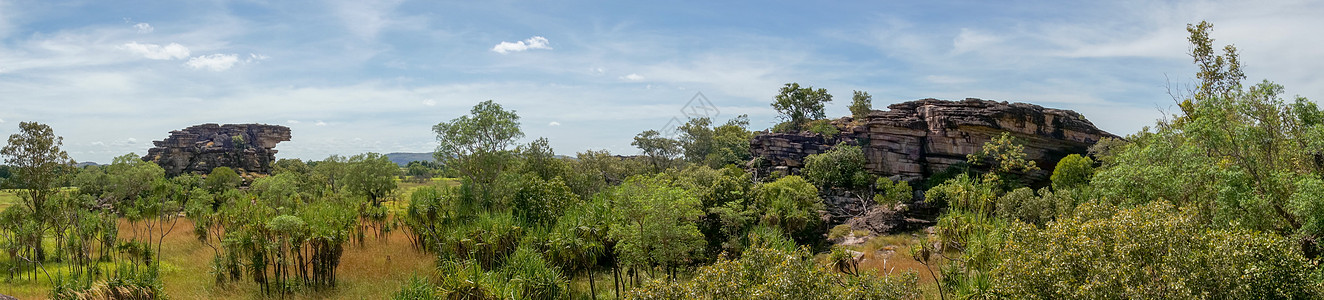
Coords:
pixel 916 139
pixel 247 148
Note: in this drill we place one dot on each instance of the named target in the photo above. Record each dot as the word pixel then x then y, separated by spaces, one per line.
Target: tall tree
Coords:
pixel 477 145
pixel 799 105
pixel 39 163
pixel 659 149
pixel 371 175
pixel 860 105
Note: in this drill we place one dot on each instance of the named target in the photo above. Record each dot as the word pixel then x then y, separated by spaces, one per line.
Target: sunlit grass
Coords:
pixel 372 271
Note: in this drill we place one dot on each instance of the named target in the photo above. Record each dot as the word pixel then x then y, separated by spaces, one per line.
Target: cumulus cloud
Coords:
pixel 430 102
pixel 144 28
pixel 536 42
pixel 633 77
pixel 554 124
pixel 2 120
pixel 213 62
pixel 320 123
pixel 154 51
pixel 292 121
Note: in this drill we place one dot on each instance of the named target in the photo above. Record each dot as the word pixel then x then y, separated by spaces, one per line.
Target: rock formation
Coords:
pixel 916 139
pixel 198 149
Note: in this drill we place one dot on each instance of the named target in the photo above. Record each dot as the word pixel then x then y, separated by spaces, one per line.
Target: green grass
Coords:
pixel 372 271
pixel 8 198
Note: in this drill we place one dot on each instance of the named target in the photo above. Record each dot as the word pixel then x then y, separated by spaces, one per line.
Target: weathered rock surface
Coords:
pixel 199 149
pixel 916 139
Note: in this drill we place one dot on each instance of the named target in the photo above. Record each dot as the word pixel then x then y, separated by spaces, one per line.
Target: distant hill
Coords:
pixel 85 164
pixel 403 159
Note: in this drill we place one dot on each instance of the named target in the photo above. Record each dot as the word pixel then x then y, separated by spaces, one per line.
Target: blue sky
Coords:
pixel 359 76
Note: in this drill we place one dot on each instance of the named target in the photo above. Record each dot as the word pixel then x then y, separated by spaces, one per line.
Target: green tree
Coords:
pixel 1005 158
pixel 221 179
pixel 655 223
pixel 660 150
pixel 860 106
pixel 1072 171
pixel 791 204
pixel 477 144
pixel 840 167
pixel 372 176
pixel 799 105
pixel 38 164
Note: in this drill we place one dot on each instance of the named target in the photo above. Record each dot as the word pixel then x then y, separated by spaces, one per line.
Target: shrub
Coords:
pixel 1148 252
pixel 767 273
pixel 840 167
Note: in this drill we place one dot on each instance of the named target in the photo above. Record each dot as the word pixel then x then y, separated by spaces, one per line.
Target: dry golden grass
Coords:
pixel 890 254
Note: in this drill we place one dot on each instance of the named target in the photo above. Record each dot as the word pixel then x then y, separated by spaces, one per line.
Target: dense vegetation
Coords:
pixel 1222 200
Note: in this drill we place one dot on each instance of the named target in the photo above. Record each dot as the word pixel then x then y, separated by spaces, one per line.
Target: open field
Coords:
pixel 372 271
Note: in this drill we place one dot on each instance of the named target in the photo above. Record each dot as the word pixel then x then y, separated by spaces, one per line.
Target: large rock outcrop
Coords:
pixel 199 149
pixel 916 139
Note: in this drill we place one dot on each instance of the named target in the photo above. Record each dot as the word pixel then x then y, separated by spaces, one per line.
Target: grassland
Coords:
pixel 373 270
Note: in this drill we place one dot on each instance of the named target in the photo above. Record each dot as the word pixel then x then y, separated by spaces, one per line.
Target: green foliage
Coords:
pixel 655 223
pixel 418 288
pixel 1151 251
pixel 539 159
pixel 1072 171
pixel 372 176
pixel 840 167
pixel 888 192
pixel 716 146
pixel 477 145
pixel 769 273
pixel 860 106
pixel 790 204
pixel 1005 159
pixel 798 106
pixel 823 127
pixel 221 179
pixel 538 202
pixel 661 151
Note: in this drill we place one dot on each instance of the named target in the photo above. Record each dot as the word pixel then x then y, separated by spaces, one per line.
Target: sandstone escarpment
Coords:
pixel 916 139
pixel 200 148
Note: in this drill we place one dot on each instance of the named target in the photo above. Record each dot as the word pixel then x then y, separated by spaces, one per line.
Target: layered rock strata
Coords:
pixel 201 148
pixel 916 139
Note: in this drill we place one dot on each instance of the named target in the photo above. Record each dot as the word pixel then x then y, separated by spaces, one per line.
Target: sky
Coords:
pixel 359 76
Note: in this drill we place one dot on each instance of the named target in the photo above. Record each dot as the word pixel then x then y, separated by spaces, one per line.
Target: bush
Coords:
pixel 1148 252
pixel 840 167
pixel 1072 171
pixel 767 273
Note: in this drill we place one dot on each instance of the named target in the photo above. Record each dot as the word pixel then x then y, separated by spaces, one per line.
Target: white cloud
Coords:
pixel 154 51
pixel 213 62
pixel 98 143
pixel 554 124
pixel 320 123
pixel 292 121
pixel 430 102
pixel 144 28
pixel 536 42
pixel 633 77
pixel 2 120
pixel 253 57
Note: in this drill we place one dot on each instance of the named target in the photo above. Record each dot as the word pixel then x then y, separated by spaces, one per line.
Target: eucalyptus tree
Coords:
pixel 38 162
pixel 799 105
pixel 477 145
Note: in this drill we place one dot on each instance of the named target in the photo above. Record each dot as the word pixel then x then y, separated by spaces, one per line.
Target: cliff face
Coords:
pixel 200 148
pixel 919 138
